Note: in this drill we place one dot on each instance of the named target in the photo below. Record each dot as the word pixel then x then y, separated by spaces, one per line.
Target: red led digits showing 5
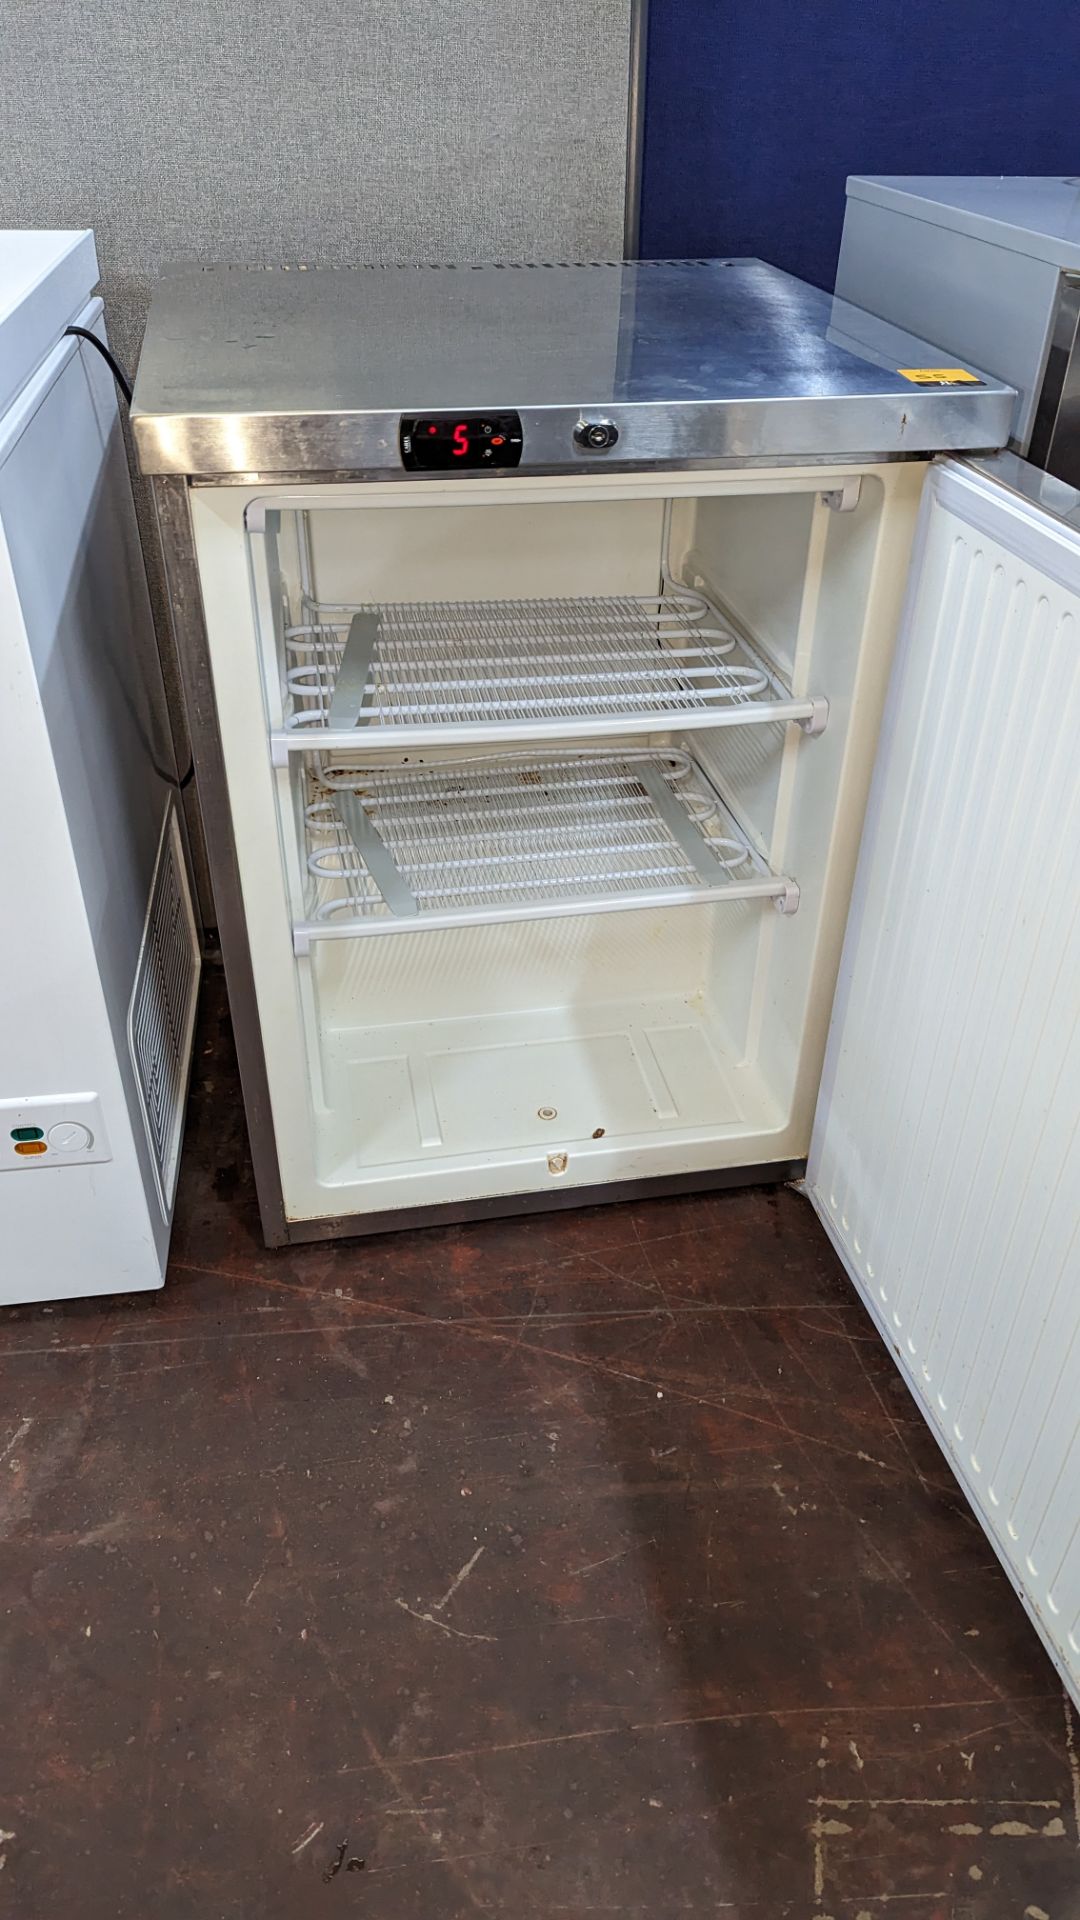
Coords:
pixel 461 440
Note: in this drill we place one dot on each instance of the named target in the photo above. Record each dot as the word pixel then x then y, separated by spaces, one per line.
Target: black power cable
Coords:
pixel 124 384
pixel 117 371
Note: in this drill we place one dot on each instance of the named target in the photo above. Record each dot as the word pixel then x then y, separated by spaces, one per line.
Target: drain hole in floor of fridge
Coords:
pixel 547 1113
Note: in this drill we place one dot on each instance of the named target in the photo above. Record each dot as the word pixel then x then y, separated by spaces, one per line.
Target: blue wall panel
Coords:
pixel 757 110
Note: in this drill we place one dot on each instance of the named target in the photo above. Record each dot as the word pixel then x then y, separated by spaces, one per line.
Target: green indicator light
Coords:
pixel 27 1133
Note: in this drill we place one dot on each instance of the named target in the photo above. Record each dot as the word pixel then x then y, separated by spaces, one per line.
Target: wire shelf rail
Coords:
pixel 464 673
pixel 520 837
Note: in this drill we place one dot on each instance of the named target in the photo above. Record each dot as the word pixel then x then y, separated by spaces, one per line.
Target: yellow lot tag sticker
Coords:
pixel 940 376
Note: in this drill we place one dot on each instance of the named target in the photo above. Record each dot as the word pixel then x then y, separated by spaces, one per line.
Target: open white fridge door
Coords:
pixel 945 1161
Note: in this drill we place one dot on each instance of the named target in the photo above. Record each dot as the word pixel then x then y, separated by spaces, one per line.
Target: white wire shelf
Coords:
pixel 520 837
pixel 466 673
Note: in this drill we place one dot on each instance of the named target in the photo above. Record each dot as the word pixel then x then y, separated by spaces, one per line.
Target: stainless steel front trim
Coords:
pixel 1055 434
pixel 337 476
pixel 635 125
pixel 173 512
pixel 653 437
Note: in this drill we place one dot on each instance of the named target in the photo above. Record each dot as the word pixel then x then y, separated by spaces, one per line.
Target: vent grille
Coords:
pixel 446 266
pixel 161 1017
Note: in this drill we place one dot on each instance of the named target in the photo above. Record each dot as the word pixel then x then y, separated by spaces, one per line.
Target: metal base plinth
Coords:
pixel 503 1206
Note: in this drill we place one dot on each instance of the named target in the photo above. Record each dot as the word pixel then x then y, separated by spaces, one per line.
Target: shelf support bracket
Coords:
pixel 351 685
pixel 680 826
pixel 375 854
pixel 845 498
pixel 816 721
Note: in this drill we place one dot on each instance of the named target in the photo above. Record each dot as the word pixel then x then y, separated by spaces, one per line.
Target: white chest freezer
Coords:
pixel 99 962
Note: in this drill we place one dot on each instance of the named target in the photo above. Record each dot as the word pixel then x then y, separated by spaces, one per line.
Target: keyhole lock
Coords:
pixel 596 436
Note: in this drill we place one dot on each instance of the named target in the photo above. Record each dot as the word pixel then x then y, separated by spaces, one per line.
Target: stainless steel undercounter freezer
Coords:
pixel 535 623
pixel 537 626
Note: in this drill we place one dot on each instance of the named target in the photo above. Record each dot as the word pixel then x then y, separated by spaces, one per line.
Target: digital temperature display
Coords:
pixel 456 442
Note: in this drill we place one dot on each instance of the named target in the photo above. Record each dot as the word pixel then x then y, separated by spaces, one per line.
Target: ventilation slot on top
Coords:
pixel 161 1017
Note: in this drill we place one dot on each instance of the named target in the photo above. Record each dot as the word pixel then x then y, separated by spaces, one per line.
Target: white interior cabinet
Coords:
pixel 606 780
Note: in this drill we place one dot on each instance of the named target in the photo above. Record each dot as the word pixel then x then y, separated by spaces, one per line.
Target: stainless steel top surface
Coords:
pixel 695 362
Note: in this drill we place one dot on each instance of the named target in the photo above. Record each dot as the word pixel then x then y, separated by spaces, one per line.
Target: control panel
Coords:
pixel 460 442
pixel 52 1130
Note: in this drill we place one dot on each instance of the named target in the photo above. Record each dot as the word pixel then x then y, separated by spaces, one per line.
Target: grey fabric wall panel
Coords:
pixel 310 131
pixel 323 131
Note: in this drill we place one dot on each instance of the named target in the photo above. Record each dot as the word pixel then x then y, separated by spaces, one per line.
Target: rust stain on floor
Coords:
pixel 589 1563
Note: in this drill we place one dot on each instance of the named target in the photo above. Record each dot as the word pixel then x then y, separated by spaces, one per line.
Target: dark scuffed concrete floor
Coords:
pixel 592 1564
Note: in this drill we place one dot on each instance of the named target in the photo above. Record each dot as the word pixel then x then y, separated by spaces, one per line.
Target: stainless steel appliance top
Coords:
pixel 673 363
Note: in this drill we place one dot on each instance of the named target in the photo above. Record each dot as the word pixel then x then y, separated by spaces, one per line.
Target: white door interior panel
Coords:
pixel 946 1154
